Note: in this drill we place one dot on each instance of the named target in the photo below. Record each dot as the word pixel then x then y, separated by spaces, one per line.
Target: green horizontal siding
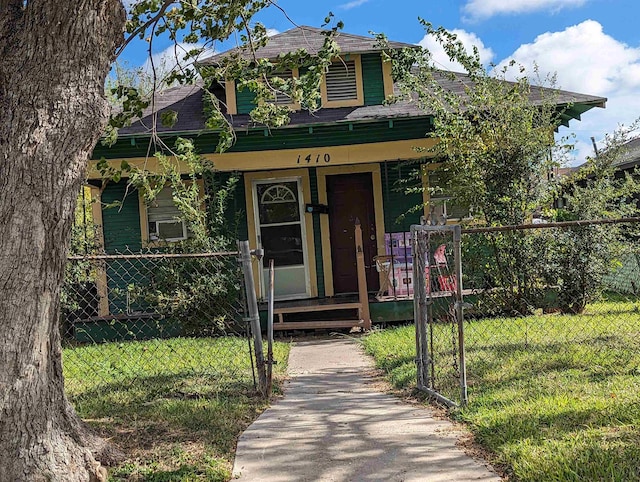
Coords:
pixel 372 79
pixel 121 228
pixel 289 138
pixel 399 212
pixel 121 223
pixel 245 100
pixel 235 215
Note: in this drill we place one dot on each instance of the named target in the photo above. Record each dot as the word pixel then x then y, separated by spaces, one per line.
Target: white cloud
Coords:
pixel 172 58
pixel 468 39
pixel 352 4
pixel 272 31
pixel 589 61
pixel 482 9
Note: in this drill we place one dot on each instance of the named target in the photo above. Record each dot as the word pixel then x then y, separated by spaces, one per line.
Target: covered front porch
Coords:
pixel 392 302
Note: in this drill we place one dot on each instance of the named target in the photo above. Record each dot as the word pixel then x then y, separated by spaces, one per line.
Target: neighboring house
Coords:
pixel 330 167
pixel 630 158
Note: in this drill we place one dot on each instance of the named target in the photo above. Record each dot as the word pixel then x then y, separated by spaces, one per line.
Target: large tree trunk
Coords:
pixel 54 57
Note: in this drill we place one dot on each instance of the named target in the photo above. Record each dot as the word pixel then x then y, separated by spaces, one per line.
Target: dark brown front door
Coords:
pixel 351 196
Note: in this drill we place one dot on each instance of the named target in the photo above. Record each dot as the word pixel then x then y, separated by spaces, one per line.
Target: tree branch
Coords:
pixel 143 27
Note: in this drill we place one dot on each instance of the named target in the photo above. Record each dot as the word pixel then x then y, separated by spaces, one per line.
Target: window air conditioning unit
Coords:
pixel 167 230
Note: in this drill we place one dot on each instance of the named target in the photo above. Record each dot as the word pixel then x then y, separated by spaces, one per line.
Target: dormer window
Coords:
pixel 343 83
pixel 281 97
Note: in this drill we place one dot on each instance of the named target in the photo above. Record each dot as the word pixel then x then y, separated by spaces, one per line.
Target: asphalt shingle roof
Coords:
pixel 459 82
pixel 188 100
pixel 630 156
pixel 311 39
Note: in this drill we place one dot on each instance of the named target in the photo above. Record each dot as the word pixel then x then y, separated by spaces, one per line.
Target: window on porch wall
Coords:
pixel 164 218
pixel 442 206
pixel 445 208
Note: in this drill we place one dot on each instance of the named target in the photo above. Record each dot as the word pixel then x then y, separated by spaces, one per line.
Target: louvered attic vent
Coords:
pixel 281 98
pixel 341 81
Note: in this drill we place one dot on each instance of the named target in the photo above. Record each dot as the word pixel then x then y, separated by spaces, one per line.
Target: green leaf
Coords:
pixel 169 118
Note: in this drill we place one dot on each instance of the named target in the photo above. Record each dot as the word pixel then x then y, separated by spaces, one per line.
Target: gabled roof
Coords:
pixel 311 39
pixel 187 101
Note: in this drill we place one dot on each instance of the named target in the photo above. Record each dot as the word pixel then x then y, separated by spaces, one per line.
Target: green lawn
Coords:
pixel 554 397
pixel 175 407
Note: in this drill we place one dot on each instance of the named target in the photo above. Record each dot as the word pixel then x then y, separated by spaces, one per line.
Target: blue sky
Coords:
pixel 592 45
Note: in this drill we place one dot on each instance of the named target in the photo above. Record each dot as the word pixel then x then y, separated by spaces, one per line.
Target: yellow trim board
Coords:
pixel 426 194
pixel 376 180
pixel 387 78
pixel 101 272
pixel 230 97
pixel 303 174
pixel 320 157
pixel 144 222
pixel 292 158
pixel 427 169
pixel 149 164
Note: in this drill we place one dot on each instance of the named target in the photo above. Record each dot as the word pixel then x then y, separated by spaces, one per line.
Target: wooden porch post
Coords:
pixel 362 278
pixel 101 270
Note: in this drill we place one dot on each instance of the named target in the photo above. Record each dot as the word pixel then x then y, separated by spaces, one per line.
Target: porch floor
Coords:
pixel 342 311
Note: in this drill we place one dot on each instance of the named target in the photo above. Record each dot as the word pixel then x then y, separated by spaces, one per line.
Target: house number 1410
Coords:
pixel 309 159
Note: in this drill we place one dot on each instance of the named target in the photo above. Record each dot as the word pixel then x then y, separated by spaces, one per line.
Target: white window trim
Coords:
pixel 303 229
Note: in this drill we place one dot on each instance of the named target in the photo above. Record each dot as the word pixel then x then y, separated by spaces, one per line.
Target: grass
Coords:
pixel 175 407
pixel 554 397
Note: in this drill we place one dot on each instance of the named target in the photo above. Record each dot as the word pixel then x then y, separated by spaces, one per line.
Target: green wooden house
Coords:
pixel 327 169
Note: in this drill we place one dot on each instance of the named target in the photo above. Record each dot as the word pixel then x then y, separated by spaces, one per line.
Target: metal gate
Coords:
pixel 438 313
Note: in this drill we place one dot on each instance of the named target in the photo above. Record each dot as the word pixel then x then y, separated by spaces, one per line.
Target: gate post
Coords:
pixel 254 316
pixel 459 309
pixel 420 308
pixel 270 301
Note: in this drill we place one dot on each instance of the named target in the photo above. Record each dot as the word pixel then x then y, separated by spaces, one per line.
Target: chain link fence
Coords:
pixel 540 297
pixel 161 323
pixel 438 310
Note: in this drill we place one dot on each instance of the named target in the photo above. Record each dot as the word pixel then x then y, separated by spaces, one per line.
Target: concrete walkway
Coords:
pixel 333 425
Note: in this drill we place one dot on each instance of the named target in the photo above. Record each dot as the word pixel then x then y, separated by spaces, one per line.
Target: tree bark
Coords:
pixel 54 58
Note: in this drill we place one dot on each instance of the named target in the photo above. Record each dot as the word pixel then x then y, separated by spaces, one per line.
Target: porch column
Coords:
pixel 362 278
